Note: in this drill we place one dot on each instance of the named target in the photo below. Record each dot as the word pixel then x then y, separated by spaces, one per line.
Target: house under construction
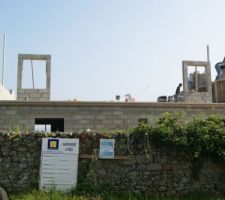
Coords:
pixel 32 108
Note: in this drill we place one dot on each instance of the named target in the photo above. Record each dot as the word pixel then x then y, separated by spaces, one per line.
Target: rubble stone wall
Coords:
pixel 137 167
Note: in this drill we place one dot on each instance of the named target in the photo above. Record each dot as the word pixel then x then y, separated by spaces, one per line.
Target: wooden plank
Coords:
pixel 87 156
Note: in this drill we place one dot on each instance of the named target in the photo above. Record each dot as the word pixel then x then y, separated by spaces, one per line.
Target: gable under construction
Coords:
pixel 33 94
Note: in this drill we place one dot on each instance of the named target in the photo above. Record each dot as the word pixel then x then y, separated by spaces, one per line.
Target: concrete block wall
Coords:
pixel 197 97
pixel 94 115
pixel 33 94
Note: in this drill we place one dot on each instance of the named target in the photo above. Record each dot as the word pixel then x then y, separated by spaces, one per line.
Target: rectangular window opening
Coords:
pixel 197 79
pixel 35 79
pixel 42 127
pixel 49 124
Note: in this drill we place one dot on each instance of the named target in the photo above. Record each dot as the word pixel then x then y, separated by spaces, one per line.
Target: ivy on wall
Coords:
pixel 203 136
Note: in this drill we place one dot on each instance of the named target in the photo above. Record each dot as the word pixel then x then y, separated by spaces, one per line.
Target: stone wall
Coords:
pixel 137 167
pixel 93 115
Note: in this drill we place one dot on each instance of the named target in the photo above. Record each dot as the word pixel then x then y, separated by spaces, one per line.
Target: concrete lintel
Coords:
pixel 34 57
pixel 195 63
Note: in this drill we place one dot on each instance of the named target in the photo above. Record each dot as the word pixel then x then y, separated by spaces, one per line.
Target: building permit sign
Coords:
pixel 59 163
pixel 107 148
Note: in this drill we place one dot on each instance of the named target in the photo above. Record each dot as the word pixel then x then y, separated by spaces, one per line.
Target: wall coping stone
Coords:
pixel 113 104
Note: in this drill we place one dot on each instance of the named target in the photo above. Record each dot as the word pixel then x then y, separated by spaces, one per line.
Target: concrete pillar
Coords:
pixel 19 73
pixel 185 76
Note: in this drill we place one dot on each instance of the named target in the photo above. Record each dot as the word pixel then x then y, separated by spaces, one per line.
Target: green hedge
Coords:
pixel 203 136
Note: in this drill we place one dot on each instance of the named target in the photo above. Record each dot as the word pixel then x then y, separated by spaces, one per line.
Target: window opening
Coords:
pixel 34 74
pixel 49 124
pixel 197 79
pixel 42 127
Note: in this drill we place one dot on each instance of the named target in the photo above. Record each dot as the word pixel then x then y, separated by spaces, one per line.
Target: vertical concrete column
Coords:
pixel 208 77
pixel 185 76
pixel 48 73
pixel 19 72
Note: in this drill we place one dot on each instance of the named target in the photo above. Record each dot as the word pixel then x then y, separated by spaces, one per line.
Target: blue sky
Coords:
pixel 101 48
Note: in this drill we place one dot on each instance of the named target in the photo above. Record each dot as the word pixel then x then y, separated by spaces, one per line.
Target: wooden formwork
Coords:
pixel 218 91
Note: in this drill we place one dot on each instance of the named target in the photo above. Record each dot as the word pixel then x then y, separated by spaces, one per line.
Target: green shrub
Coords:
pixel 206 136
pixel 53 195
pixel 203 136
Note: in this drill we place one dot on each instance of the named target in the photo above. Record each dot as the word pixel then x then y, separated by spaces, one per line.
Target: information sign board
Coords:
pixel 59 163
pixel 106 148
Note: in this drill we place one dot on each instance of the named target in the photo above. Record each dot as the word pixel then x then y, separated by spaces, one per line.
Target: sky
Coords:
pixel 104 48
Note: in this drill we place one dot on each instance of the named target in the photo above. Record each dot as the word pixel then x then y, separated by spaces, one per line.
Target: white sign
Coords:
pixel 59 163
pixel 106 148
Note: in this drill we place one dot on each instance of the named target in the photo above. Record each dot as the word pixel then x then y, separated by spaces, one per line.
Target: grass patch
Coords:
pixel 54 195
